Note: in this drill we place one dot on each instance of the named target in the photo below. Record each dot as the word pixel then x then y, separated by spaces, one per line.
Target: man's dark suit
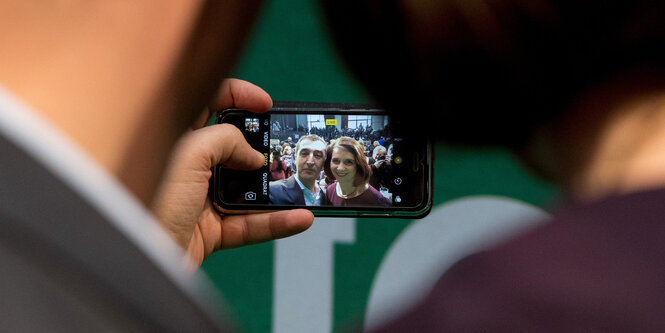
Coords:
pixel 65 268
pixel 286 192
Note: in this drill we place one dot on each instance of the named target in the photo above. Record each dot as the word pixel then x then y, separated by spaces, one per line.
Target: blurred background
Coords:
pixel 346 273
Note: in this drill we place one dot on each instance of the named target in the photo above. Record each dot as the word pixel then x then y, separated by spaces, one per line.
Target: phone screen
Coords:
pixel 324 161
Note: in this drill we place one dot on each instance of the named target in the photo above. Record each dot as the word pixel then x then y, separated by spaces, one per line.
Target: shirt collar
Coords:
pixel 311 199
pixel 303 187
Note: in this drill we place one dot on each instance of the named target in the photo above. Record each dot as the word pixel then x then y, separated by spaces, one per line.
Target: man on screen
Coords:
pixel 302 188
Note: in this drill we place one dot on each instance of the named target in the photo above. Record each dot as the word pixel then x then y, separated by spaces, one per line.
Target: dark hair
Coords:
pixel 492 71
pixel 363 170
pixel 276 155
pixel 310 137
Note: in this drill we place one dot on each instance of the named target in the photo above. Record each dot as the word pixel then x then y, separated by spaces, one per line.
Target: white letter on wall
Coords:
pixel 303 287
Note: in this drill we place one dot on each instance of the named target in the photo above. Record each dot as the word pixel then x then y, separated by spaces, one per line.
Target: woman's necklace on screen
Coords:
pixel 356 192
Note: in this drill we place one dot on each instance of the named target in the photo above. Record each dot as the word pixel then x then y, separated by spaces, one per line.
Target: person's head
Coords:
pixel 310 155
pixel 152 65
pixel 493 72
pixel 346 162
pixel 287 150
pixel 276 154
pixel 379 151
pixel 174 54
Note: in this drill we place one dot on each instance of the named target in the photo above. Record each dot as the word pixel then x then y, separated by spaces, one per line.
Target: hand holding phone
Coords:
pixel 338 161
pixel 182 204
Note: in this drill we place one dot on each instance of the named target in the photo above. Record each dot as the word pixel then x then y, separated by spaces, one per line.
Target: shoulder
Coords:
pixel 42 280
pixel 279 187
pixel 288 182
pixel 380 199
pixel 371 189
pixel 331 191
pixel 331 197
pixel 592 268
pixel 331 188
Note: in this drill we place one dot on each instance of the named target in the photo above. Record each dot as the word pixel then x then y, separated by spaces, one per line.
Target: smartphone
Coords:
pixel 334 159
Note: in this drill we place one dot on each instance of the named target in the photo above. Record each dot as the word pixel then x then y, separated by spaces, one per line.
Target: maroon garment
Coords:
pixel 371 197
pixel 277 170
pixel 595 268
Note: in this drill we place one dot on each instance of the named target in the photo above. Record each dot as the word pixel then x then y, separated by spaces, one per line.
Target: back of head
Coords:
pixel 492 71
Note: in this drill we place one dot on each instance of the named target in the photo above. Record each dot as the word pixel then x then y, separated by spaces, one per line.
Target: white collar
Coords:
pixel 303 187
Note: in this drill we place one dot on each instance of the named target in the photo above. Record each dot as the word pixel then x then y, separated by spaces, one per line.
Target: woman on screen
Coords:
pixel 348 174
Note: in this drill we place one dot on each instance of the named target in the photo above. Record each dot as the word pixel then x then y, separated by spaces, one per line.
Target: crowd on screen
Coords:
pixel 364 133
pixel 372 146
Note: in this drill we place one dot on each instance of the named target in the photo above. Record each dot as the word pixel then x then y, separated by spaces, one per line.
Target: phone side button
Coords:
pixel 374 215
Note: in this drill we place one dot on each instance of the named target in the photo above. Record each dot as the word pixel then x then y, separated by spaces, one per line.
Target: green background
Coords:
pixel 290 55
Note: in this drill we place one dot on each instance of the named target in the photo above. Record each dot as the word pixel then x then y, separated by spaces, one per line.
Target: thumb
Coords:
pixel 219 144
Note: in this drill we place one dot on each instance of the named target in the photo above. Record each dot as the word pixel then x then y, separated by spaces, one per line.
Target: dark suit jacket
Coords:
pixel 65 268
pixel 286 192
